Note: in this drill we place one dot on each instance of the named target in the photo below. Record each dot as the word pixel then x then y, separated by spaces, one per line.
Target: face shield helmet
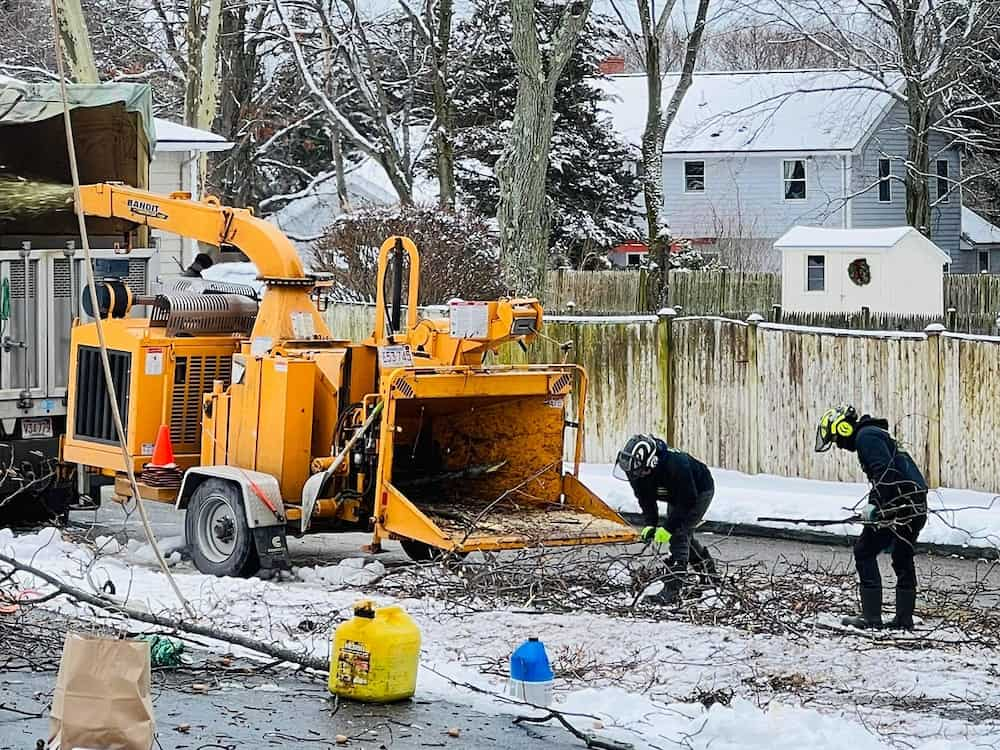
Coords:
pixel 835 423
pixel 637 459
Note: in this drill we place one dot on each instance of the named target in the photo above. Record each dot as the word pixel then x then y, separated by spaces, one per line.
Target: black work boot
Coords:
pixel 706 569
pixel 906 602
pixel 673 581
pixel 871 610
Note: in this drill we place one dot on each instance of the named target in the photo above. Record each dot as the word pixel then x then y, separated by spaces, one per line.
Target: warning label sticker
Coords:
pixel 353 663
pixel 154 361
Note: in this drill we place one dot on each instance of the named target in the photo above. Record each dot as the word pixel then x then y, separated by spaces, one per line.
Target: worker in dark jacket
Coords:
pixel 895 513
pixel 659 473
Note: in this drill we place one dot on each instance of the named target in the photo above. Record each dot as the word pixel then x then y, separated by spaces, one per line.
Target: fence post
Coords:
pixel 751 428
pixel 934 406
pixel 866 317
pixel 775 313
pixel 951 319
pixel 664 351
pixel 722 291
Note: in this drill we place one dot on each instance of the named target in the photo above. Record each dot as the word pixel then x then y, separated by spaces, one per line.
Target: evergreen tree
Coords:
pixel 590 180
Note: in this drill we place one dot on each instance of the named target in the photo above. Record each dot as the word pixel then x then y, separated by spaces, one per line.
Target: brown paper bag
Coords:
pixel 102 696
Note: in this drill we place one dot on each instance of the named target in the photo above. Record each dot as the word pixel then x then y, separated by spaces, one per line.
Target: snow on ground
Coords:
pixel 648 701
pixel 958 517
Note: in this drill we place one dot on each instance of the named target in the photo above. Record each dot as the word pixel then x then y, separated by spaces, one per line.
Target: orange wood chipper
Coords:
pixel 280 428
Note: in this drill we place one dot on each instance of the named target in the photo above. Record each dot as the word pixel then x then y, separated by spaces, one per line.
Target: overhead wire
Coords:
pixel 102 343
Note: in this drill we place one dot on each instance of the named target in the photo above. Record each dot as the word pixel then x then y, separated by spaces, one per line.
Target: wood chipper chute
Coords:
pixel 278 427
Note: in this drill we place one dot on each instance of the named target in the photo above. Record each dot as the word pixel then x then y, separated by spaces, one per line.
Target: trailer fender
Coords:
pixel 265 511
pixel 260 492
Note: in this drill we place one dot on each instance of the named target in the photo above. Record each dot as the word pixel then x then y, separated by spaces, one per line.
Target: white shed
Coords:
pixel 175 168
pixel 893 270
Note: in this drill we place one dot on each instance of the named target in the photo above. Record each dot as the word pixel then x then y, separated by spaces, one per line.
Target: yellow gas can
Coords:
pixel 375 655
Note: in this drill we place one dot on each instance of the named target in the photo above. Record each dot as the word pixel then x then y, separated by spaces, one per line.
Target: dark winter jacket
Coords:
pixel 896 480
pixel 678 480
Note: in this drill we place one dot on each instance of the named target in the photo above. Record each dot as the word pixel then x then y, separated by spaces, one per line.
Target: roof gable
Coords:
pixel 172 136
pixel 878 240
pixel 799 110
pixel 978 230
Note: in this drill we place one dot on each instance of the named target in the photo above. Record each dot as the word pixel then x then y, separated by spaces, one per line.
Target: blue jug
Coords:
pixel 531 675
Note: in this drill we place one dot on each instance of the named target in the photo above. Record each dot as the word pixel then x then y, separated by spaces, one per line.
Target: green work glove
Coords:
pixel 871 513
pixel 658 535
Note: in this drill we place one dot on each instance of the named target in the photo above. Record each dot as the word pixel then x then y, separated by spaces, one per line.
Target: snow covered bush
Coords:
pixel 458 253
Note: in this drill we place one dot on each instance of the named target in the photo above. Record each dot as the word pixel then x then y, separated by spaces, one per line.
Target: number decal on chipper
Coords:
pixel 145 208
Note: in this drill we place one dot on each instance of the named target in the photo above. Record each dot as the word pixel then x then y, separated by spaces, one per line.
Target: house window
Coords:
pixel 815 273
pixel 984 261
pixel 884 183
pixel 640 169
pixel 633 259
pixel 694 177
pixel 795 179
pixel 943 184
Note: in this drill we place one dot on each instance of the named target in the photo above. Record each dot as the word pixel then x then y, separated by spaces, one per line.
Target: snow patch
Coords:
pixel 350 572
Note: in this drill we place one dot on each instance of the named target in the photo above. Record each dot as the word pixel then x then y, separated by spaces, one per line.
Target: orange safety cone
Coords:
pixel 163 451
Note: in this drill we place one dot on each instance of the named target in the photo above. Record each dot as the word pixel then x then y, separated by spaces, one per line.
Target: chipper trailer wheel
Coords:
pixel 217 533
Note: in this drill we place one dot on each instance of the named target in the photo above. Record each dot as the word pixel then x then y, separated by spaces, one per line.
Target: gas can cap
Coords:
pixel 533 639
pixel 364 609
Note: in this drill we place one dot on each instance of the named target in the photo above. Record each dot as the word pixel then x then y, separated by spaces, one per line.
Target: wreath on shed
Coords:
pixel 860 272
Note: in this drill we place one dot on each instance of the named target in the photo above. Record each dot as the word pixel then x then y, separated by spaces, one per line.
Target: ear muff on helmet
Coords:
pixel 844 428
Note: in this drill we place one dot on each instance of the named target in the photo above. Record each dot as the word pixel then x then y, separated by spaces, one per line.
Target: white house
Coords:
pixel 892 270
pixel 174 167
pixel 751 154
pixel 982 238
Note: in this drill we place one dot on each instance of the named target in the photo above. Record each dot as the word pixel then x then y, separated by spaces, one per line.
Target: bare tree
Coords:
pixel 379 59
pixel 433 25
pixel 648 46
pixel 523 211
pixel 763 47
pixel 926 56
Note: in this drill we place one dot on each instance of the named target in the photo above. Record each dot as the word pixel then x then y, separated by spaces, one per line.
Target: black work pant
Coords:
pixel 898 539
pixel 683 545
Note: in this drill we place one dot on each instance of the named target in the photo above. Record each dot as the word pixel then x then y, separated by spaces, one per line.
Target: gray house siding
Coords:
pixel 889 142
pixel 744 195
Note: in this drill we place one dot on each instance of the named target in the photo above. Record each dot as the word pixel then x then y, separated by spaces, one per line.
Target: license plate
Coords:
pixel 39 427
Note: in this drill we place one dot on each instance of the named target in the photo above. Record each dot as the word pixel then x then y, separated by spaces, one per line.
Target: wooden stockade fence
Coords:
pixel 746 395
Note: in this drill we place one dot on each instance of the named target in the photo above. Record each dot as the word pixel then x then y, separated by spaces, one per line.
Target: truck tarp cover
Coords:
pixel 22 102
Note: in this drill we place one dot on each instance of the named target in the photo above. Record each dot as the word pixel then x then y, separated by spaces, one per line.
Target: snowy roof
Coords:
pixel 977 230
pixel 172 136
pixel 824 238
pixel 795 110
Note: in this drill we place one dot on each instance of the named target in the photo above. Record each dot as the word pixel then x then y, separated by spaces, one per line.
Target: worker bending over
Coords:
pixel 659 473
pixel 895 513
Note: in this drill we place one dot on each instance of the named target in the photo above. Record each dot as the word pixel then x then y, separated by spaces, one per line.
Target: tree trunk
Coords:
pixel 343 198
pixel 523 209
pixel 918 173
pixel 76 41
pixel 443 107
pixel 658 122
pixel 194 36
pixel 239 66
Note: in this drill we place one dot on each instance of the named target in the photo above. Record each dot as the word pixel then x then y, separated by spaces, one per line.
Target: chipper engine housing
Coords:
pixel 278 427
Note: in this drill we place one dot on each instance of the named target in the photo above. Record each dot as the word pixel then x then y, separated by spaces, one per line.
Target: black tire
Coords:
pixel 216 530
pixel 423 552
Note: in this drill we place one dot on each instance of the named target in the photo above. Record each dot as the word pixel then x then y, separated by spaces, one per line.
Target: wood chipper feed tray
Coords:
pixel 469 518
